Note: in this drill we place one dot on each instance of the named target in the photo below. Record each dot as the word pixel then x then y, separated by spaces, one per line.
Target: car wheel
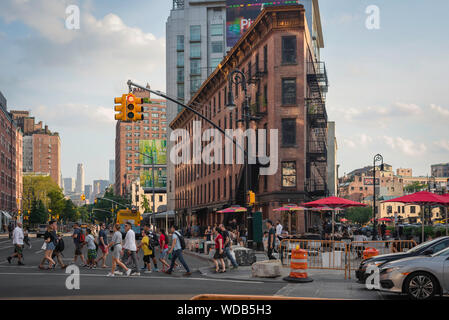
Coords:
pixel 421 286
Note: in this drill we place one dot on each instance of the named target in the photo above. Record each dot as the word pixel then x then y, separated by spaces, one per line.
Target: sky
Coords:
pixel 388 86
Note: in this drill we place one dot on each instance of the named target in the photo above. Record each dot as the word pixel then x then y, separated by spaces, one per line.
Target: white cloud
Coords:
pixel 75 115
pixel 440 110
pixel 442 144
pixel 408 147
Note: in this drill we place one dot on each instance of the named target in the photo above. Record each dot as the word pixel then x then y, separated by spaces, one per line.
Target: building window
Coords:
pixel 181 91
pixel 195 33
pixel 288 91
pixel 214 62
pixel 265 58
pixel 289 49
pixel 180 43
pixel 180 75
pixel 195 50
pixel 412 209
pixel 216 30
pixel 195 67
pixel 217 46
pixel 289 174
pixel 195 83
pixel 288 132
pixel 180 59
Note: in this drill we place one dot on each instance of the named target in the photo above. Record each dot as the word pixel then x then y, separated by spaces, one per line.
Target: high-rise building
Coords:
pixel 128 137
pixel 112 171
pixel 88 192
pixel 79 185
pixel 99 187
pixel 440 170
pixel 10 189
pixel 332 179
pixel 68 185
pixel 41 147
pixel 288 86
pixel 195 45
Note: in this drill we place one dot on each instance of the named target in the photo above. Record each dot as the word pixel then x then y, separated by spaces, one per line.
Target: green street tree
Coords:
pixel 39 213
pixel 415 186
pixel 359 214
pixel 146 205
pixel 69 213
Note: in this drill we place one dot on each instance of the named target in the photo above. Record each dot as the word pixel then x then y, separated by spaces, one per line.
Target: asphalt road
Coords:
pixel 30 282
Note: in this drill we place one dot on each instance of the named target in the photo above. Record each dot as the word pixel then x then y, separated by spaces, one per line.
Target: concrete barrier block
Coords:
pixel 266 269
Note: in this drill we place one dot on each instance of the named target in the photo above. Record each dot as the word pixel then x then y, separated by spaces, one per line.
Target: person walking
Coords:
pixel 116 249
pixel 147 251
pixel 176 249
pixel 227 245
pixel 271 239
pixel 103 245
pixel 50 242
pixel 154 242
pixel 79 243
pixel 17 241
pixel 91 249
pixel 163 238
pixel 57 253
pixel 130 248
pixel 219 253
pixel 10 230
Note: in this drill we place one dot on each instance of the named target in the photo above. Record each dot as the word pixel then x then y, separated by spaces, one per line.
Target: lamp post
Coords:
pixel 377 158
pixel 235 79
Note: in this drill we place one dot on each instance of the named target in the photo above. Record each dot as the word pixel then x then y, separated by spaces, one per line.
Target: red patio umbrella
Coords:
pixel 290 208
pixel 233 209
pixel 335 203
pixel 384 219
pixel 422 198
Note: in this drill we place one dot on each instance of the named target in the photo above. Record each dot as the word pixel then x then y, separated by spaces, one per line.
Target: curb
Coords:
pixel 206 275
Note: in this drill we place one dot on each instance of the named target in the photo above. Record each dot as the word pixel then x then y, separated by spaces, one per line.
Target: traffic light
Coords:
pixel 83 197
pixel 130 107
pixel 121 108
pixel 251 198
pixel 138 115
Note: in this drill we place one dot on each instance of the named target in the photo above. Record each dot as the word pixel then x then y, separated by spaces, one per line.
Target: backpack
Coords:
pixel 60 246
pixel 181 240
pixel 82 237
pixel 154 240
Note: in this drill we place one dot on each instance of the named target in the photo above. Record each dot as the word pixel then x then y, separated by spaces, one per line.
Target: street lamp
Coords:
pixel 377 158
pixel 237 78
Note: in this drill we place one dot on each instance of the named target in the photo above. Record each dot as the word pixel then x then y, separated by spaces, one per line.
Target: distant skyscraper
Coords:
pixel 88 192
pixel 68 185
pixel 111 171
pixel 80 179
pixel 99 186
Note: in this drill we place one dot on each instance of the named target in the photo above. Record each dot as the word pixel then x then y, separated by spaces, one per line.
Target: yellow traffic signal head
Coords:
pixel 130 106
pixel 138 115
pixel 121 108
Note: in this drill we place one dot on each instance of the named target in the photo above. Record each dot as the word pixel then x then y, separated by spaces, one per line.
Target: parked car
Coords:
pixel 41 229
pixel 426 248
pixel 421 278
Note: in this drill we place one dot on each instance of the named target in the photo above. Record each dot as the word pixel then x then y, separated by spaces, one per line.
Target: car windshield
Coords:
pixel 422 245
pixel 443 253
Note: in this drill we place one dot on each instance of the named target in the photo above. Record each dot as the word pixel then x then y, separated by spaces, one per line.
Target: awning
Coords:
pixel 6 214
pixel 163 215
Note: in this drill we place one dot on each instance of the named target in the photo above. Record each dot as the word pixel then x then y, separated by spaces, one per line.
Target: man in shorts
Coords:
pixel 78 244
pixel 103 245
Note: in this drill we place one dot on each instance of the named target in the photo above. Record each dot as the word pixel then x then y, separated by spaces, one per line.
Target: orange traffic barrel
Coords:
pixel 370 252
pixel 298 267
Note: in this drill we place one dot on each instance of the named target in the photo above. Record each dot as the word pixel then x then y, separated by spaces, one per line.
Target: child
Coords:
pixel 91 249
pixel 147 251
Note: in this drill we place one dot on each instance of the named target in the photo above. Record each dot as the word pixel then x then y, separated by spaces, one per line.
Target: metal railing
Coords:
pixel 344 255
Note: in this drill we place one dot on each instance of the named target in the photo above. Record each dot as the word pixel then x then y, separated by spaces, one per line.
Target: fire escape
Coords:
pixel 316 175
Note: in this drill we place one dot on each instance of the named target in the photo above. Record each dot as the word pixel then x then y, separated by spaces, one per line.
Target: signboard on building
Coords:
pixel 156 149
pixel 369 181
pixel 240 14
pixel 160 178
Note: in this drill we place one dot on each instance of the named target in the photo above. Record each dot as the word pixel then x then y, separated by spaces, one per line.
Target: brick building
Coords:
pixel 10 137
pixel 128 136
pixel 41 147
pixel 287 85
